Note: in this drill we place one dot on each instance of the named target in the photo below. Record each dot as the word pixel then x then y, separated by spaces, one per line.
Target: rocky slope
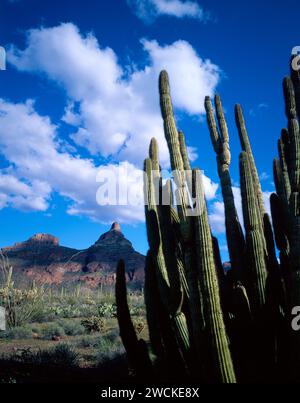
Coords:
pixel 42 259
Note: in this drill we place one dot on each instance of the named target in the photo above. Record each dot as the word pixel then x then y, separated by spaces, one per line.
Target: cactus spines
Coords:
pixel 171 295
pixel 254 237
pixel 282 151
pixel 170 128
pixel 163 341
pixel 185 160
pixel 191 302
pixel 183 150
pixel 220 141
pixel 222 366
pixel 213 130
pixel 246 146
pixel 290 102
pixel 278 178
pixel 221 119
pixel 153 154
pixel 185 221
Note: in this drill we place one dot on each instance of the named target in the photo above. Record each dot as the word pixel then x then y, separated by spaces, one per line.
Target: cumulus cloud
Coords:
pixel 22 196
pixel 112 114
pixel 115 115
pixel 149 10
pixel 38 167
pixel 217 218
pixel 40 164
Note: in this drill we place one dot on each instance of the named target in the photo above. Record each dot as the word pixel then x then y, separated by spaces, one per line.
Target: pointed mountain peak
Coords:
pixel 114 235
pixel 115 227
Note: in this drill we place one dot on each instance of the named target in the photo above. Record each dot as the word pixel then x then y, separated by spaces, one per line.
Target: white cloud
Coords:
pixel 118 116
pixel 71 117
pixel 149 10
pixel 217 218
pixel 192 153
pixel 217 213
pixel 39 168
pixel 266 197
pixel 110 114
pixel 23 196
pixel 210 188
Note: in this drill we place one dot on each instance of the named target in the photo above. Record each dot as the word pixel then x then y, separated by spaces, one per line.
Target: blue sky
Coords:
pixel 80 92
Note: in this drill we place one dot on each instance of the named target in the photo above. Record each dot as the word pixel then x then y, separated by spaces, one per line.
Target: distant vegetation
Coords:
pixel 58 326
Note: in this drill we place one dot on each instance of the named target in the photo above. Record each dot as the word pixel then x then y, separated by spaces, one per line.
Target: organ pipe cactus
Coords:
pixel 185 221
pixel 290 207
pixel 220 141
pixel 217 341
pixel 246 146
pixel 204 323
pixel 257 274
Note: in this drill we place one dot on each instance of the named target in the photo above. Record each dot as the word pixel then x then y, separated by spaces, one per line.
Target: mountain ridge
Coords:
pixel 41 258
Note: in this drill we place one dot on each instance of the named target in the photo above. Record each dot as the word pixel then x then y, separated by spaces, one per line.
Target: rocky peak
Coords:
pixel 113 236
pixel 36 241
pixel 46 239
pixel 42 258
pixel 115 227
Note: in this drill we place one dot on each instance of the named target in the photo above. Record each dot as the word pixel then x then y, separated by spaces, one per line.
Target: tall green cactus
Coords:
pixel 241 332
pixel 256 281
pixel 217 341
pixel 292 210
pixel 172 297
pixel 185 221
pixel 220 141
pixel 246 146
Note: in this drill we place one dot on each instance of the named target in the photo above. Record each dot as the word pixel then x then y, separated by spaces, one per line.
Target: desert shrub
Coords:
pixel 113 335
pixel 107 310
pixel 50 330
pixel 72 328
pixel 108 349
pixel 21 305
pixel 17 333
pixel 93 324
pixel 88 341
pixel 62 310
pixel 61 355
